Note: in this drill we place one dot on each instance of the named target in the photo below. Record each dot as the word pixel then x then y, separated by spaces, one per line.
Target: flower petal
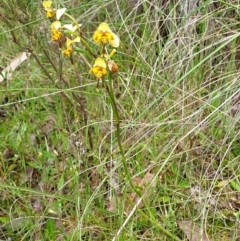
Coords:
pixel 103 27
pixel 68 26
pixel 56 25
pixel 76 40
pixel 115 42
pixel 72 27
pixel 68 43
pixel 60 12
pixel 47 5
pixel 99 62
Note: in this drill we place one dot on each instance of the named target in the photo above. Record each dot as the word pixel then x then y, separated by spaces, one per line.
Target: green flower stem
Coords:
pixel 110 92
pixel 87 47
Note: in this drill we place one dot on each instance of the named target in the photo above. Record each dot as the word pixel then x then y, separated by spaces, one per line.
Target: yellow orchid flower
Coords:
pixel 69 46
pixel 68 51
pixel 104 34
pixel 99 68
pixel 51 11
pixel 56 32
pixel 48 8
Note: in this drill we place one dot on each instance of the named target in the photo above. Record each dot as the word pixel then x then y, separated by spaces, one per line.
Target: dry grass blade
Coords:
pixel 192 231
pixel 7 72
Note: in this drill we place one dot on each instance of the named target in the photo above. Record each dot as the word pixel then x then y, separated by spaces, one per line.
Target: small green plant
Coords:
pixel 66 36
pixel 103 139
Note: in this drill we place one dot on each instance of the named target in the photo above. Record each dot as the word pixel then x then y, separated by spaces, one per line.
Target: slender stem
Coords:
pixel 87 47
pixel 80 99
pixel 118 132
